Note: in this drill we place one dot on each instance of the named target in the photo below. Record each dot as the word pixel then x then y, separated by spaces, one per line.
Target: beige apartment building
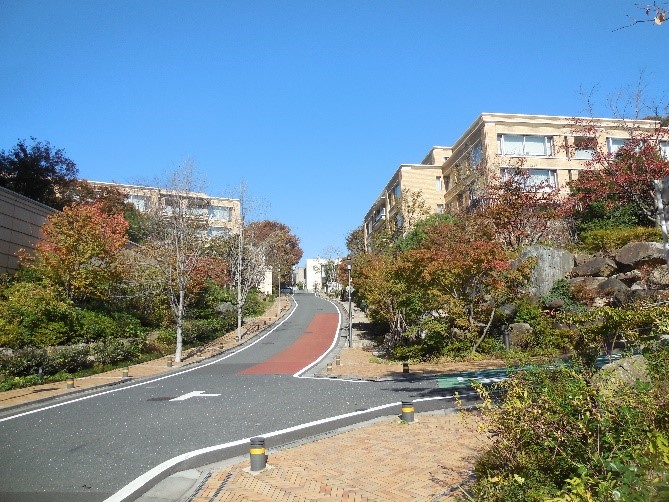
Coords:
pixel 222 214
pixel 552 150
pixel 425 178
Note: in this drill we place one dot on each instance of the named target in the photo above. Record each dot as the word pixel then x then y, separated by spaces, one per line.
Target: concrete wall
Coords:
pixel 20 222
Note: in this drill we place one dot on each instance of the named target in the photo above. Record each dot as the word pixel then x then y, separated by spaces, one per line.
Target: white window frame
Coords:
pixel 547 142
pixel 612 144
pixel 552 177
pixel 583 153
pixel 438 183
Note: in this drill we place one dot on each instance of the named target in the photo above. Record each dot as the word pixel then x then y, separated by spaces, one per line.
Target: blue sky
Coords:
pixel 312 104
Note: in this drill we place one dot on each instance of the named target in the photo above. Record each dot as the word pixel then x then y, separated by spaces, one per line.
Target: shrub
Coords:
pixel 543 336
pixel 93 326
pixel 561 290
pixel 23 362
pixel 608 240
pixel 68 359
pixel 113 350
pixel 601 216
pixel 254 305
pixel 556 435
pixel 36 314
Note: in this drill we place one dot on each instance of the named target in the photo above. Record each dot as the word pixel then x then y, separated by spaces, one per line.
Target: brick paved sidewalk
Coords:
pixel 385 461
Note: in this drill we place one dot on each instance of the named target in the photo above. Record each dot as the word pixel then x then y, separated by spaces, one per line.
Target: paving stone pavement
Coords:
pixel 382 461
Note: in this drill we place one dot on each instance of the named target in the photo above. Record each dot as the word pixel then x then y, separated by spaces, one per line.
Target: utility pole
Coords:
pixel 278 300
pixel 350 317
pixel 239 263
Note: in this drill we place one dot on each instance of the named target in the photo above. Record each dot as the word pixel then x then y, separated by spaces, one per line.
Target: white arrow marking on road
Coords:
pixel 195 393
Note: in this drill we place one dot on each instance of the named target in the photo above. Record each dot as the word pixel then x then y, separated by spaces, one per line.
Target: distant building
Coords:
pixel 321 275
pixel 222 213
pixel 425 178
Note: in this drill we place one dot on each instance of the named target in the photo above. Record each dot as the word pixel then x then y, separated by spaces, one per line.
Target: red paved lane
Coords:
pixel 306 349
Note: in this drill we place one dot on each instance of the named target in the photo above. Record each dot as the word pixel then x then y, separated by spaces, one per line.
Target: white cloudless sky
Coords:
pixel 312 104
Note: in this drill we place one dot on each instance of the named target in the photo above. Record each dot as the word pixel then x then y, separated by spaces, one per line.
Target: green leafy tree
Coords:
pixel 39 171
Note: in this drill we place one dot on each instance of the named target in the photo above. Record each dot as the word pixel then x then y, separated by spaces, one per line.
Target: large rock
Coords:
pixel 552 265
pixel 586 283
pixel 611 286
pixel 624 372
pixel 518 333
pixel 597 266
pixel 659 277
pixel 635 254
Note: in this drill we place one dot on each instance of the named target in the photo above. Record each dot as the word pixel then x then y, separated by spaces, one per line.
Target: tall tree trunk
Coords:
pixel 180 323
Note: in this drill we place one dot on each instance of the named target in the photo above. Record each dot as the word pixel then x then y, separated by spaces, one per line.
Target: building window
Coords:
pixel 395 195
pixel 476 154
pixel 584 147
pixel 546 178
pixel 523 145
pixel 664 149
pixel 218 232
pixel 440 208
pixel 141 202
pixel 447 183
pixel 437 183
pixel 397 192
pixel 198 207
pixel 222 213
pixel 614 144
pixel 379 213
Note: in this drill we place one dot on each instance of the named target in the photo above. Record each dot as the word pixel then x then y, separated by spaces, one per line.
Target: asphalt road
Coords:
pixel 88 449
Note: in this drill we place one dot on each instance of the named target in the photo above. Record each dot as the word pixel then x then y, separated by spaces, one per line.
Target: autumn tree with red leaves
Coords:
pixel 81 249
pixel 519 211
pixel 282 247
pixel 624 177
pixel 447 289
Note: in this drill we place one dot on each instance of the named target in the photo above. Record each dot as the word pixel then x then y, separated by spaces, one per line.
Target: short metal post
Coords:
pixel 407 411
pixel 337 360
pixel 126 372
pixel 328 368
pixel 405 367
pixel 257 454
pixel 169 362
pixel 70 383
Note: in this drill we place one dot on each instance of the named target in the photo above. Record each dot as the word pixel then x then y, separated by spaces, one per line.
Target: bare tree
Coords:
pixel 246 256
pixel 178 241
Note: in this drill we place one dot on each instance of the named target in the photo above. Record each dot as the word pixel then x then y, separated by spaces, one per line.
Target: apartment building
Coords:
pixel 551 149
pixel 222 214
pixel 425 178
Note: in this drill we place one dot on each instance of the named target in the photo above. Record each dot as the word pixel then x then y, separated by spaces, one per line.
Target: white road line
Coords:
pixel 132 487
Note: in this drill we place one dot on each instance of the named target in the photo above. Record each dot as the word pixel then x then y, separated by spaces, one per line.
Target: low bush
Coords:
pixel 114 350
pixel 23 362
pixel 68 359
pixel 92 326
pixel 610 239
pixel 557 437
pixel 544 337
